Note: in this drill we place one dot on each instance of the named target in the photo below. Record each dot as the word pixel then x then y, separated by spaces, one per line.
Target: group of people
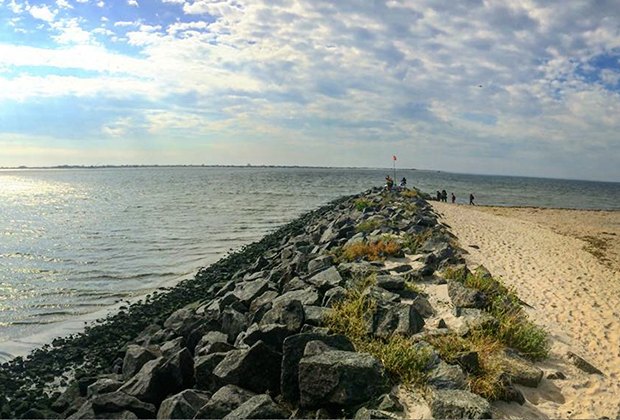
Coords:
pixel 443 196
pixel 389 183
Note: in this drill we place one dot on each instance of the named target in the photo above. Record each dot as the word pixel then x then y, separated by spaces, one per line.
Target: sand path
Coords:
pixel 573 294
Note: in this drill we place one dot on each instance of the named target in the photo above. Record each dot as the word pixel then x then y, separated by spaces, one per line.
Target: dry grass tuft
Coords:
pixel 373 251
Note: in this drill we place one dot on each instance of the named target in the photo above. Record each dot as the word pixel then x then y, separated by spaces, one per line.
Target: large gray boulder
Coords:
pixel 203 368
pixel 390 282
pixel 290 314
pixel 339 378
pixel 161 377
pixel 257 368
pixel 326 279
pixel 519 370
pixel 271 334
pixel 213 342
pixel 135 357
pixel 225 400
pixel 117 402
pixel 401 318
pixel 233 322
pixel 445 376
pixel 102 386
pixel 246 292
pixel 292 352
pixel 259 407
pixel 465 297
pixel 458 404
pixel 183 405
pixel 307 296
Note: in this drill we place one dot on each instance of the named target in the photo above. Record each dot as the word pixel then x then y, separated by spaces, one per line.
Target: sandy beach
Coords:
pixel 565 264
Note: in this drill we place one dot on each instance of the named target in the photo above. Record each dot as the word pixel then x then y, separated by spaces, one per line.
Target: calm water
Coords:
pixel 77 240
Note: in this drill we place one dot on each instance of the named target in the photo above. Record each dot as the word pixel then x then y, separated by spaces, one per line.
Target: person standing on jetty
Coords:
pixel 389 183
pixel 444 196
pixel 453 198
pixel 471 200
pixel 438 196
pixel 403 183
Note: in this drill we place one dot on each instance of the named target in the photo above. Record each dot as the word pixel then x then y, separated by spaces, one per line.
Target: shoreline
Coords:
pixel 573 290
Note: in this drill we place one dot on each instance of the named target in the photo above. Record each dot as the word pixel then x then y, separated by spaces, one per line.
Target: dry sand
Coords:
pixel 566 265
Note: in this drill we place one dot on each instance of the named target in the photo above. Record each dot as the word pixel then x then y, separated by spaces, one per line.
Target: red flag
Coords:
pixel 393 157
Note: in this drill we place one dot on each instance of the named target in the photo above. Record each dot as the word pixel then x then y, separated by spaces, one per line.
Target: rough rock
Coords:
pixel 307 296
pixel 459 404
pixel 246 292
pixel 289 314
pixel 320 263
pixel 401 318
pixel 293 351
pixel 135 357
pixel 213 342
pixel 256 368
pixel 116 402
pixel 259 407
pixel 225 400
pixel 391 283
pixel 333 296
pixel 271 334
pixel 233 322
pixel 373 413
pixel 519 370
pixel 326 279
pixel 464 297
pixel 340 378
pixel 583 364
pixel 445 376
pixel 103 386
pixel 203 368
pixel 183 405
pixel 314 315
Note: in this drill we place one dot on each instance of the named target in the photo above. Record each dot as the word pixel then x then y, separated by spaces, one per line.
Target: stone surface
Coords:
pixel 136 357
pixel 103 386
pixel 203 370
pixel 339 378
pixel 445 376
pixel 225 400
pixel 233 322
pixel 184 405
pixel 314 315
pixel 259 407
pixel 116 402
pixel 292 352
pixel 519 370
pixel 333 296
pixel 256 368
pixel 401 318
pixel 459 404
pixel 326 279
pixel 464 297
pixel 289 314
pixel 246 292
pixel 391 283
pixel 583 364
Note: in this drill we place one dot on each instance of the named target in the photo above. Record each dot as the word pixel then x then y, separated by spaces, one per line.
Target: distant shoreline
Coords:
pixel 202 166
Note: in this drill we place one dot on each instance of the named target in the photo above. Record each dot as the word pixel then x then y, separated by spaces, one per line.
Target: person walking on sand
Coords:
pixel 453 198
pixel 471 200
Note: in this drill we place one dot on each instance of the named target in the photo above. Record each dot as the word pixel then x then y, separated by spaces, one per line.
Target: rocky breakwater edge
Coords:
pixel 363 308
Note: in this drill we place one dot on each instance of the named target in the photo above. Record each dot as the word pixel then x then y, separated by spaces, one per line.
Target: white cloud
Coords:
pixel 101 3
pixel 133 3
pixel 63 4
pixel 42 13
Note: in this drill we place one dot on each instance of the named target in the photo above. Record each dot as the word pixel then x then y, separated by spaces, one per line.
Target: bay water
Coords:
pixel 75 242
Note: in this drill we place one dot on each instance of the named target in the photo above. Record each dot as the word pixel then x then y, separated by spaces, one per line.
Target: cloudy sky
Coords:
pixel 522 87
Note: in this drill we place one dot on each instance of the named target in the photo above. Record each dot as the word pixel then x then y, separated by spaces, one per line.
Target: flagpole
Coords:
pixel 394 163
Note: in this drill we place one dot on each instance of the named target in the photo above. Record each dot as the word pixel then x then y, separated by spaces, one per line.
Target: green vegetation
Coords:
pixel 484 382
pixel 413 242
pixel 362 203
pixel 367 226
pixel 373 251
pixel 515 330
pixel 409 193
pixel 352 317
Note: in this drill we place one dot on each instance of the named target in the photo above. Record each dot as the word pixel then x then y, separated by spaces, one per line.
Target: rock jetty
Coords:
pixel 354 310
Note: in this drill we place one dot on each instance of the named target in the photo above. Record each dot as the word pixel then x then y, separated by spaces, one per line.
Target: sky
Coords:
pixel 520 87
